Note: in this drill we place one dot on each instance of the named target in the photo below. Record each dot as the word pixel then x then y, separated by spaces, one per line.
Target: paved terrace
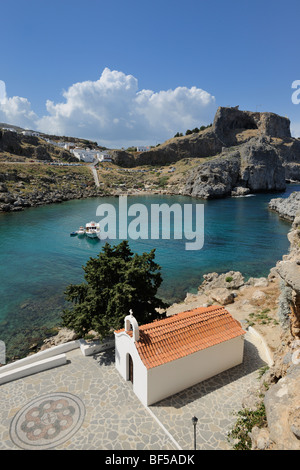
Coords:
pixel 86 405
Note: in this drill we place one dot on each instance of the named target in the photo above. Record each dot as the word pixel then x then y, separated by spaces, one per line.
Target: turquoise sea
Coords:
pixel 38 258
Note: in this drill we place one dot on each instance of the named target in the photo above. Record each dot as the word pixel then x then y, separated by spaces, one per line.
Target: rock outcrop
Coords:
pixel 251 167
pixel 289 272
pixel 214 179
pixel 282 403
pixel 286 208
pixel 231 127
pixel 229 280
pixel 229 120
pixel 203 144
pixel 221 288
pixel 245 152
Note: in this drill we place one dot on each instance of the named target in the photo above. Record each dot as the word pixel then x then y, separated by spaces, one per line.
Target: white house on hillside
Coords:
pixel 84 155
pixel 10 129
pixel 31 133
pixel 104 157
pixel 69 146
pixel 142 148
pixel 169 355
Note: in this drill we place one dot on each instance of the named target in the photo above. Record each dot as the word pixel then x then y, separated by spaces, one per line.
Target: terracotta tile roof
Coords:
pixel 185 333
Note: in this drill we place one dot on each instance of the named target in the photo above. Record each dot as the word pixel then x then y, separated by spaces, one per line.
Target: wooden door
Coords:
pixel 130 368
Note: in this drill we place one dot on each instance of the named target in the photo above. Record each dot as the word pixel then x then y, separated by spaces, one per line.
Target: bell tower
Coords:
pixel 130 320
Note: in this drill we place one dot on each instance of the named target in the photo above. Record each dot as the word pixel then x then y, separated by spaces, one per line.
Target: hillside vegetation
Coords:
pixel 28 185
pixel 34 171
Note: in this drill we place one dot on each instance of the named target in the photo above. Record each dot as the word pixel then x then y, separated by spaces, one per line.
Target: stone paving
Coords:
pixel 213 402
pixel 86 405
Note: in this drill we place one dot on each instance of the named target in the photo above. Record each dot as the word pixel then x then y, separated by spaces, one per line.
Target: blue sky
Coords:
pixel 144 70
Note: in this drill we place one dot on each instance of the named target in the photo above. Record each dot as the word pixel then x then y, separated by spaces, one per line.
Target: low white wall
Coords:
pixel 262 346
pixel 175 376
pixel 39 356
pixel 28 363
pixel 92 347
pixel 29 369
pixel 51 357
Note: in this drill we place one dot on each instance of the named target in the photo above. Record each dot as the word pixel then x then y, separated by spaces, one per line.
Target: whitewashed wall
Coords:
pixel 124 345
pixel 157 383
pixel 175 376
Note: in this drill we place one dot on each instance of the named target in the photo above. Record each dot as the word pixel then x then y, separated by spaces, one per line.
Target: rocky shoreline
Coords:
pixel 14 203
pixel 286 208
pixel 252 167
pixel 35 185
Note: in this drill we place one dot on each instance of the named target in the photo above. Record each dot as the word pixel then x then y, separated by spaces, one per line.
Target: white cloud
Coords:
pixel 115 113
pixel 295 129
pixel 98 110
pixel 16 110
pixel 167 112
pixel 2 91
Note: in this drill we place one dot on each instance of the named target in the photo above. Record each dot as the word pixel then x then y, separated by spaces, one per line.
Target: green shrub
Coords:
pixel 229 279
pixel 246 420
pixel 262 371
pixel 162 181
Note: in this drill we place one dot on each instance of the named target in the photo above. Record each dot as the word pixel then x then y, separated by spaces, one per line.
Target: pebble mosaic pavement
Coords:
pixel 85 405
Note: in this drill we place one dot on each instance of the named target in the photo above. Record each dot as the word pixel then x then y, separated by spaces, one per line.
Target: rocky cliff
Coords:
pixel 259 154
pixel 250 167
pixel 280 385
pixel 282 399
pixel 203 144
pixel 245 151
pixel 230 122
pixel 286 208
pixel 230 127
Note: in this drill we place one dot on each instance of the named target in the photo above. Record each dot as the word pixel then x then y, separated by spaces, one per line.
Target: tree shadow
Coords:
pixel 105 358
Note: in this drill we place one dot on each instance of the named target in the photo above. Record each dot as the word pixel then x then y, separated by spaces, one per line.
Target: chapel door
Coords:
pixel 130 368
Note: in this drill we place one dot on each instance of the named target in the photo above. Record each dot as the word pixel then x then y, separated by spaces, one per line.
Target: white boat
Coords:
pixel 92 230
pixel 81 231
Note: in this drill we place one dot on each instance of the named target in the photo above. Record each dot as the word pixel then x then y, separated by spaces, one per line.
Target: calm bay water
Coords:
pixel 39 258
